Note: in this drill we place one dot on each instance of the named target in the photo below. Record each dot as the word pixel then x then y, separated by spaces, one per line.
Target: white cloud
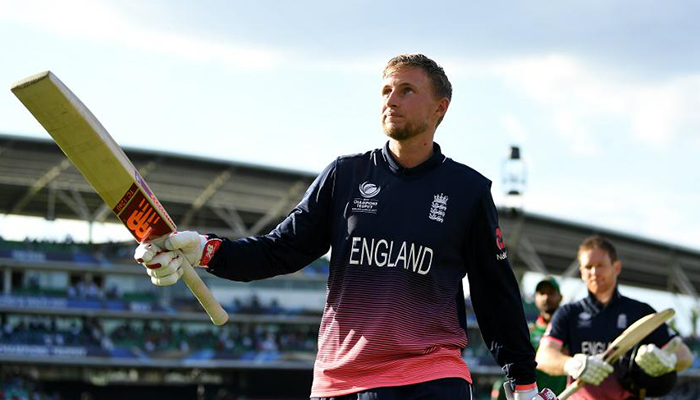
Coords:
pixel 569 123
pixel 575 96
pixel 541 77
pixel 362 65
pixel 665 112
pixel 647 213
pixel 19 228
pixel 99 21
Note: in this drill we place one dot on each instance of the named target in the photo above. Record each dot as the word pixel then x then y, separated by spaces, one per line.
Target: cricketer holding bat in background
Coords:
pixel 405 224
pixel 587 326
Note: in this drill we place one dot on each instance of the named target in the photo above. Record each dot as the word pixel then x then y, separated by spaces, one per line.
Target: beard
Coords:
pixel 550 309
pixel 407 131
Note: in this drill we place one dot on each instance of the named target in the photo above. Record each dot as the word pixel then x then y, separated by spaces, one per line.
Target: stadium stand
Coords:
pixel 75 321
pixel 81 321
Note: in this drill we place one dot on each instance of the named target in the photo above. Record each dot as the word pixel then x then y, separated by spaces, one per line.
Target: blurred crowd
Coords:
pixel 15 386
pixel 163 339
pixel 235 340
pixel 160 338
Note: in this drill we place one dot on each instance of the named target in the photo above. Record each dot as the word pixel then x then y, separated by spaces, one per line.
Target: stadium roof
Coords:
pixel 237 199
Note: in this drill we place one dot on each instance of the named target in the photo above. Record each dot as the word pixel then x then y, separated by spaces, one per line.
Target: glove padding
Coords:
pixel 190 243
pixel 590 369
pixel 529 394
pixel 655 361
pixel 165 267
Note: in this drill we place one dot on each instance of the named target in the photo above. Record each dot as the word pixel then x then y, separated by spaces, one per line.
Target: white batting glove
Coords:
pixel 590 369
pixel 655 361
pixel 164 263
pixel 164 267
pixel 197 249
pixel 529 394
pixel 190 243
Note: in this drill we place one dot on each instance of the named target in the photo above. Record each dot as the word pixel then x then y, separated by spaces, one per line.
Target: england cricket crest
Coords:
pixel 438 208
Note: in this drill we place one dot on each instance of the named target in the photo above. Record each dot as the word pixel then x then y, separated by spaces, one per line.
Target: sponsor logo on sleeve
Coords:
pixel 499 240
pixel 502 254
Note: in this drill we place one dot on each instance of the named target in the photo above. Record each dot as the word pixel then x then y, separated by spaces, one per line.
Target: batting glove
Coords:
pixel 590 369
pixel 528 394
pixel 197 249
pixel 655 361
pixel 164 267
pixel 190 243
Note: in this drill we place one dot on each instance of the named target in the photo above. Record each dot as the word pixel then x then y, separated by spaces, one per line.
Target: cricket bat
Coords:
pixel 625 342
pixel 88 145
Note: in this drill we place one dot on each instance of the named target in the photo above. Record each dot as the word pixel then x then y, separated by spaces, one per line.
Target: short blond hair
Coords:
pixel 599 242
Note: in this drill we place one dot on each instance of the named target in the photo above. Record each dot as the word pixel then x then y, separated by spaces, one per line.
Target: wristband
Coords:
pixel 210 248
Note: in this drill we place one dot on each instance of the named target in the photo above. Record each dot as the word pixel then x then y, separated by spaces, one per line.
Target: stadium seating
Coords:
pixel 62 308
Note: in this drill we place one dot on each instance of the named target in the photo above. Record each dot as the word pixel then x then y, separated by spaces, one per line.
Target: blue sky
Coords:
pixel 602 96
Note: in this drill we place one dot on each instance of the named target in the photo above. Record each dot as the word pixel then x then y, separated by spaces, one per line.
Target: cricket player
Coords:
pixel 587 326
pixel 547 300
pixel 405 223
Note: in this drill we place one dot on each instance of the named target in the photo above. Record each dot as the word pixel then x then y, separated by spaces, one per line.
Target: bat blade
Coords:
pixel 629 338
pixel 95 154
pixel 634 334
pixel 105 166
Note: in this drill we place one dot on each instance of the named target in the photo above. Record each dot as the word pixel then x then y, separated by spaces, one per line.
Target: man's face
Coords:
pixel 409 105
pixel 547 298
pixel 597 271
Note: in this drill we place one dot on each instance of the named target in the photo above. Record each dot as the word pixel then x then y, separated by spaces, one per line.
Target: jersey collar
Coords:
pixel 592 302
pixel 540 321
pixel 436 159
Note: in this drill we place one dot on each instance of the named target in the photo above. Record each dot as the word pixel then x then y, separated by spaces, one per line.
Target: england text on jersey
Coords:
pixel 385 253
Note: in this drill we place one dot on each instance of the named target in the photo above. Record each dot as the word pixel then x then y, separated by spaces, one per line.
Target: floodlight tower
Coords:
pixel 514 179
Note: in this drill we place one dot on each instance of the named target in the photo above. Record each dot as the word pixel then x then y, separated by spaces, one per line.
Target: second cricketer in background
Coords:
pixel 586 327
pixel 547 300
pixel 405 224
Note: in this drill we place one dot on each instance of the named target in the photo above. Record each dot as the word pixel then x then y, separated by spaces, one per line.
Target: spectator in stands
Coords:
pixel 586 327
pixel 254 306
pixel 18 387
pixel 405 224
pixel 33 283
pixel 93 291
pixel 113 292
pixel 275 307
pixel 82 289
pixel 72 292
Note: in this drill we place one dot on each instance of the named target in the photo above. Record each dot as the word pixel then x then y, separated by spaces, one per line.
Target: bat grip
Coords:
pixel 217 314
pixel 571 389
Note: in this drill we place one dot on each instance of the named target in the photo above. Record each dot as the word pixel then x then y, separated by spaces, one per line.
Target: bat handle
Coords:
pixel 571 389
pixel 217 314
